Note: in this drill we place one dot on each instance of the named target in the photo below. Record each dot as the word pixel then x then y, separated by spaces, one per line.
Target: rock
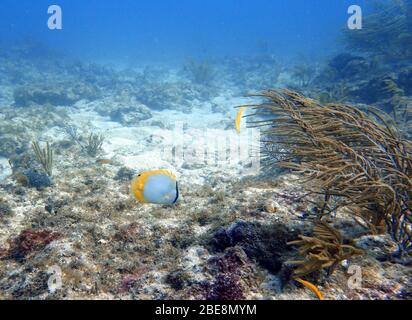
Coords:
pixel 24 97
pixel 374 90
pixel 378 246
pixel 131 115
pixel 177 279
pixel 30 241
pixel 161 96
pixel 125 174
pixel 349 66
pixel 11 145
pixel 5 209
pixel 405 80
pixel 225 287
pixel 5 170
pixel 270 206
pixel 57 95
pixel 34 179
pixel 33 286
pixel 266 244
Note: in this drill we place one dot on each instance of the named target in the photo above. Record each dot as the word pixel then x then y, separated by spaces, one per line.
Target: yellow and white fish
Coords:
pixel 238 120
pixel 155 186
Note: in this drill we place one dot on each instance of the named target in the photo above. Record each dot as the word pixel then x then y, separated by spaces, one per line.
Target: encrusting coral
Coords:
pixel 359 164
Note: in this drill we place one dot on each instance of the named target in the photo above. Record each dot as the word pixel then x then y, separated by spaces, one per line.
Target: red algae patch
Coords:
pixel 28 242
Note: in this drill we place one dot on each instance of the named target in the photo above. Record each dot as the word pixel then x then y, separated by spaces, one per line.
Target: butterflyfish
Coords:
pixel 239 118
pixel 155 186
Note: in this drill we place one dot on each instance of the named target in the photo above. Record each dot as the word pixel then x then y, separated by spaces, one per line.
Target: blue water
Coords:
pixel 169 30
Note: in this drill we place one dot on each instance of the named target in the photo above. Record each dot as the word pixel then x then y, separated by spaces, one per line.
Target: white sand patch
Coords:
pixel 196 146
pixel 5 170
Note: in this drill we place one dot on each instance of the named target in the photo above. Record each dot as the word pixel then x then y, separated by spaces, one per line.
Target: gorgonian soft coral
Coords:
pixel 357 162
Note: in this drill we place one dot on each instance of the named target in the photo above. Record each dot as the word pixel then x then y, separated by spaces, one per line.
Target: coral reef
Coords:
pixel 225 287
pixel 250 74
pixel 177 279
pixel 230 271
pixel 5 209
pixel 349 66
pixel 124 109
pixel 200 72
pixel 228 237
pixel 387 31
pixel 264 244
pixel 29 242
pixel 402 116
pixel 131 115
pixel 169 95
pixel 62 95
pixel 405 79
pixel 33 179
pixel 19 126
pixel 304 74
pixel 125 174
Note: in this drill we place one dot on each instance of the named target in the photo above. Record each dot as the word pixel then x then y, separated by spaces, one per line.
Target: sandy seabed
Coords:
pixel 226 238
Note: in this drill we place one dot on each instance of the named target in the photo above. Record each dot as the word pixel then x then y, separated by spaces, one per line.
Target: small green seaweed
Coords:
pixel 44 157
pixel 93 145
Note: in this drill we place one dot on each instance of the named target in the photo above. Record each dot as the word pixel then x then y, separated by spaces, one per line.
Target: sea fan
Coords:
pixel 359 163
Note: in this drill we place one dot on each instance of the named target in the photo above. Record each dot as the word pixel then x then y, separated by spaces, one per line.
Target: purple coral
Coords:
pixel 225 287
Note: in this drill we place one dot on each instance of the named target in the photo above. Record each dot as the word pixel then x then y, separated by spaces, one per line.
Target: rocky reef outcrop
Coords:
pixel 64 94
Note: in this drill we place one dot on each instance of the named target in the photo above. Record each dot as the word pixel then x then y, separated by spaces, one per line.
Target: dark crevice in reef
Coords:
pixel 265 244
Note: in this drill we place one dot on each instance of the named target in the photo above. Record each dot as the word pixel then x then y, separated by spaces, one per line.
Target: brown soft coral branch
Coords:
pixel 326 249
pixel 364 163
